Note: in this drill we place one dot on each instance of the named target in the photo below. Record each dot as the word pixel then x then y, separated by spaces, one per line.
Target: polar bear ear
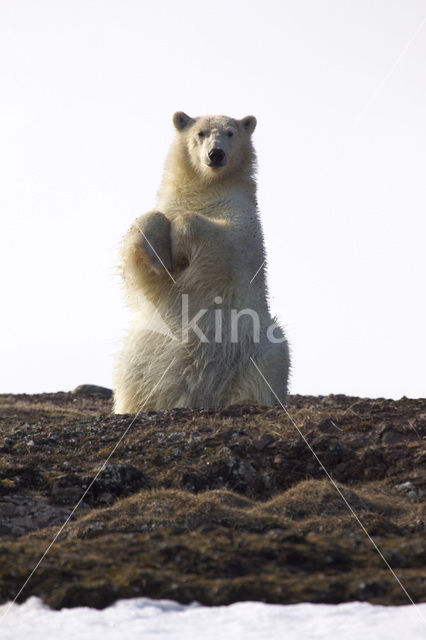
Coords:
pixel 182 121
pixel 248 124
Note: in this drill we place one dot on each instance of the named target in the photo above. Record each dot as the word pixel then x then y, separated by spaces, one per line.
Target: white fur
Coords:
pixel 209 239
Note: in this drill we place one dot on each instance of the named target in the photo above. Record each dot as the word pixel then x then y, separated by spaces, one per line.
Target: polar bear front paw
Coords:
pixel 150 234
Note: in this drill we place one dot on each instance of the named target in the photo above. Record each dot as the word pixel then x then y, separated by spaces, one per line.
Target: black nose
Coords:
pixel 216 157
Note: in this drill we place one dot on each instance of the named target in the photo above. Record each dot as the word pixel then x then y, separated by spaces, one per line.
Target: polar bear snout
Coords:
pixel 216 157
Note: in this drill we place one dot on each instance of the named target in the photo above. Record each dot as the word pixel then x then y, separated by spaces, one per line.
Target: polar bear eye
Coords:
pixel 229 134
pixel 201 134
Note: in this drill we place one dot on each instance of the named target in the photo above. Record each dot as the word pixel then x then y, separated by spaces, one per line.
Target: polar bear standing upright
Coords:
pixel 194 273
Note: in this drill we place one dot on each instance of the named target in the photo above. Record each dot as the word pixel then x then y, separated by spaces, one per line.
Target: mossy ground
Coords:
pixel 213 505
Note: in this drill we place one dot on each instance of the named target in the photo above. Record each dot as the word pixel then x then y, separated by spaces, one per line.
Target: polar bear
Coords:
pixel 194 272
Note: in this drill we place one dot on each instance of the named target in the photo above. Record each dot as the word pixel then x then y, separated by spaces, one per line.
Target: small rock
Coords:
pixel 245 471
pixel 342 466
pixel 92 390
pixel 406 487
pixel 265 441
pixel 395 437
pixel 22 514
pixel 327 426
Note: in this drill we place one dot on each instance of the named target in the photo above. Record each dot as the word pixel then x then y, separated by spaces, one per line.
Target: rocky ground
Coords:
pixel 213 505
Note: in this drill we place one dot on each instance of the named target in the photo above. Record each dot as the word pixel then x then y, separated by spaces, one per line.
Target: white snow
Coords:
pixel 142 618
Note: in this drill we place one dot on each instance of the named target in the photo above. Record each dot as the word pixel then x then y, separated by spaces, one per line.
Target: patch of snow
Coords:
pixel 143 618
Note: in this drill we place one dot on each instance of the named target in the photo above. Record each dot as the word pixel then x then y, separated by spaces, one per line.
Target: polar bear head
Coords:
pixel 214 146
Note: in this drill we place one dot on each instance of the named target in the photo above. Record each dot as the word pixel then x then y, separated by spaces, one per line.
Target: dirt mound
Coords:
pixel 212 505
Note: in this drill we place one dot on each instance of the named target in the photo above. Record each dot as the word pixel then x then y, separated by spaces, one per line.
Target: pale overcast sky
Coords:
pixel 339 91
